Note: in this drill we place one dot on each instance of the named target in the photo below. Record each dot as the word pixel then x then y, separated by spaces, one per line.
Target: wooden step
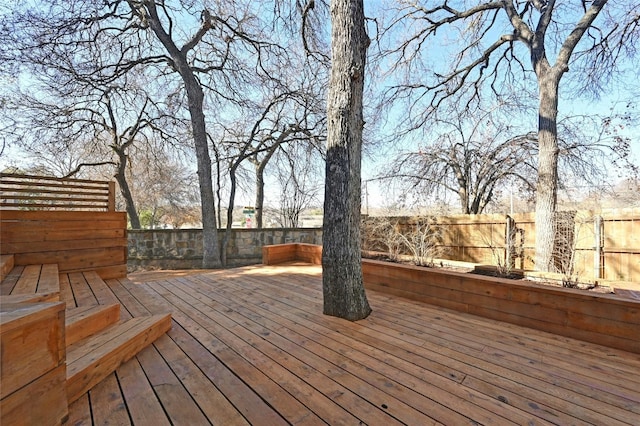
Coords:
pixel 85 321
pixel 32 365
pixel 92 359
pixel 6 265
pixel 30 298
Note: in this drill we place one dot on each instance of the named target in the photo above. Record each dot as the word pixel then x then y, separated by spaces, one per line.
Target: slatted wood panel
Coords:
pixel 621 238
pixel 76 241
pixel 51 193
pixel 250 346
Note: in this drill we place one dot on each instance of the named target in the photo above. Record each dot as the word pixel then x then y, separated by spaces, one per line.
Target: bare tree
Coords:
pixel 275 125
pixel 343 287
pixel 470 158
pixel 591 38
pixel 299 183
pixel 210 51
pixel 297 127
pixel 166 191
pixel 90 126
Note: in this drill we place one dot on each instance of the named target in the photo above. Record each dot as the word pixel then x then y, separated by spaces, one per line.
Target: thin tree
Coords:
pixel 299 184
pixel 342 283
pixel 548 30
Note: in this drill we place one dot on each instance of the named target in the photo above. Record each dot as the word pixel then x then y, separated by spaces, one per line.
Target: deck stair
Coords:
pixel 92 359
pixel 85 321
pixel 96 340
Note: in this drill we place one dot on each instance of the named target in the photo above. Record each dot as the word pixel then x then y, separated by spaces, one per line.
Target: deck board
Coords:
pixel 250 346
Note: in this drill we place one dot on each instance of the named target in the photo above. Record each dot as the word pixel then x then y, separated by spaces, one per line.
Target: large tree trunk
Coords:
pixel 343 287
pixel 211 251
pixel 547 186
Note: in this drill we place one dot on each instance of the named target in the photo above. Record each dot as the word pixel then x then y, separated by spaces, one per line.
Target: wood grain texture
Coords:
pixel 74 240
pixel 250 345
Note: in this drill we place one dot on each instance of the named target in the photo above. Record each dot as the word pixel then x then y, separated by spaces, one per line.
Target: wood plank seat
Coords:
pixel 31 279
pixel 92 359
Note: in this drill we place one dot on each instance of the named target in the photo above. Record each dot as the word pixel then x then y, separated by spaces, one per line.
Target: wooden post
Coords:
pixel 112 197
pixel 598 266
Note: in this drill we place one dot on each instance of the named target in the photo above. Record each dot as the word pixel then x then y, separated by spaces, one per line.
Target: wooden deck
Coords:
pixel 250 346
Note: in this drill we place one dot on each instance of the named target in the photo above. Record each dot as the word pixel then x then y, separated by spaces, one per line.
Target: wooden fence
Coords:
pixel 65 221
pixel 593 246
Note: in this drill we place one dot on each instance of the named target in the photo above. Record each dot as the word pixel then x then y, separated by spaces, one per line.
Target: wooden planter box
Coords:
pixel 604 319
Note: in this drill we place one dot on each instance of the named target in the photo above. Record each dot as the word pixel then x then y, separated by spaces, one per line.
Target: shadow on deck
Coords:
pixel 251 346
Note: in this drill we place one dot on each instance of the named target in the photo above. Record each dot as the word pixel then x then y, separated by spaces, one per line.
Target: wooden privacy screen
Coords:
pixel 75 240
pixel 50 193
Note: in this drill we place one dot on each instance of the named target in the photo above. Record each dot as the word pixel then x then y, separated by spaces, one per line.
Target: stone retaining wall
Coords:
pixel 182 248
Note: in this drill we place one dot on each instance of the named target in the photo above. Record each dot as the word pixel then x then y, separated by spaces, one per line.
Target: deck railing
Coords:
pixel 24 192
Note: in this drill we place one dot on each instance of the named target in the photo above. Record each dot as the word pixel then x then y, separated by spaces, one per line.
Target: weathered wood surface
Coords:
pixel 250 346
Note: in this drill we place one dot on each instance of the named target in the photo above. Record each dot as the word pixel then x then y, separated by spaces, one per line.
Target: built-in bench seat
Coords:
pixel 32 280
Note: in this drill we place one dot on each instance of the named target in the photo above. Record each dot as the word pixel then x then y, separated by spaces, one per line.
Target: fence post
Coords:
pixel 598 267
pixel 112 197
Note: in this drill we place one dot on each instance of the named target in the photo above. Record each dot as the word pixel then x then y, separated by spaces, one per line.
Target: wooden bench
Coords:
pixel 280 253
